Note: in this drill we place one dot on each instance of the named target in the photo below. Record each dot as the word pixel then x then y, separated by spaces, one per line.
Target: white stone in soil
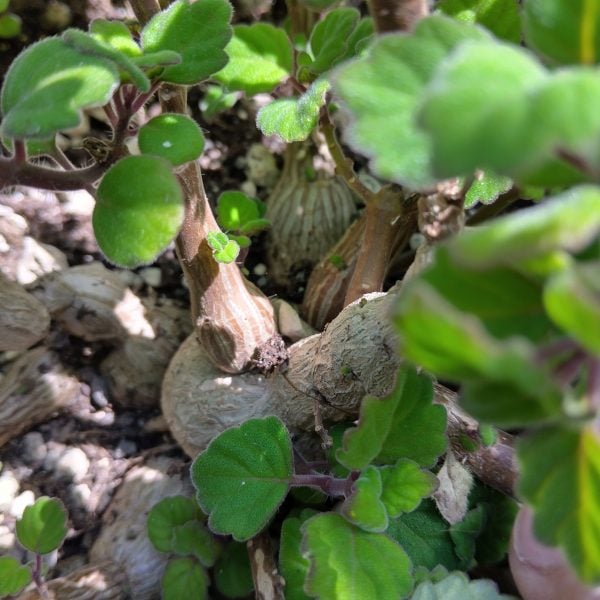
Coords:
pixel 21 502
pixel 73 464
pixel 34 447
pixel 152 276
pixel 81 494
pixel 9 488
pixel 7 539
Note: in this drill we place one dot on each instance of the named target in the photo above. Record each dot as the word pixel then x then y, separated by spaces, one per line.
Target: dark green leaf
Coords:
pixel 232 575
pixel 43 526
pixel 193 539
pixel 49 84
pixel 260 58
pixel 464 535
pixel 243 476
pixel 372 566
pixel 405 484
pixel 139 210
pixel 10 25
pixel 405 424
pixel 560 478
pixel 165 516
pixel 198 31
pixel 364 507
pixel 13 577
pixel 178 138
pixel 184 576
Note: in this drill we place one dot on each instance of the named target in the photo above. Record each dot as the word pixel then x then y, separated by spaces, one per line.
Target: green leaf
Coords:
pixel 260 58
pixel 255 226
pixel 564 32
pixel 49 84
pixel 243 476
pixel 13 577
pixel 560 478
pixel 153 60
pixel 193 539
pixel 43 526
pixel 181 576
pixel 139 210
pixel 457 586
pixel 228 253
pixel 464 534
pixel 572 299
pixel 4 5
pixel 330 36
pixel 405 484
pixel 293 119
pixel 293 566
pixel 501 17
pixel 217 240
pixel 198 31
pixel 425 537
pixel 372 566
pixel 88 44
pixel 10 25
pixel 165 516
pixel 115 34
pixel 216 100
pixel 486 188
pixel 364 507
pixel 176 137
pixel 232 574
pixel 234 209
pixel 405 424
pixel 384 91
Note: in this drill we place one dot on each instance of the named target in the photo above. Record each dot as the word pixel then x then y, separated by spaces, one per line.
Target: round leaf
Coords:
pixel 232 574
pixel 243 476
pixel 165 516
pixel 10 25
pixel 235 209
pixel 13 576
pixel 182 577
pixel 192 538
pixel 43 526
pixel 117 35
pixel 172 136
pixel 139 210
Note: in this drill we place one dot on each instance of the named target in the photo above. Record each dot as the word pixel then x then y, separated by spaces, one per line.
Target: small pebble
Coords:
pixel 152 276
pixel 260 269
pixel 9 488
pixel 125 448
pixel 21 502
pixel 34 448
pixel 73 464
pixel 81 494
pixel 156 424
pixel 7 539
pixel 55 451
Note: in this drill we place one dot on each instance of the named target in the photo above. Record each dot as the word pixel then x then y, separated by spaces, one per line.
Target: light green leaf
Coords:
pixel 216 100
pixel 405 484
pixel 10 25
pixel 294 566
pixel 193 539
pixel 364 507
pixel 232 575
pixel 501 17
pixel 176 137
pixel 234 209
pixel 43 526
pixel 293 119
pixel 260 58
pixel 456 586
pixel 572 299
pixel 156 60
pixel 139 210
pixel 165 516
pixel 384 90
pixel 371 567
pixel 228 253
pixel 181 576
pixel 13 576
pixel 49 84
pixel 560 478
pixel 116 34
pixel 243 476
pixel 198 31
pixel 405 424
pixel 4 5
pixel 486 188
pixel 564 32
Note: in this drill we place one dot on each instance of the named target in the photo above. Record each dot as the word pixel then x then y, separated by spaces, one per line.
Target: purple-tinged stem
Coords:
pixel 332 486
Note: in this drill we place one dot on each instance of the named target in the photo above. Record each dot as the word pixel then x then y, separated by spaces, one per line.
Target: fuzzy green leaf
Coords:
pixel 260 58
pixel 165 516
pixel 501 17
pixel 371 567
pixel 216 100
pixel 405 484
pixel 456 586
pixel 139 210
pixel 234 209
pixel 486 188
pixel 13 576
pixel 224 250
pixel 198 31
pixel 294 566
pixel 193 539
pixel 232 575
pixel 243 476
pixel 152 60
pixel 293 119
pixel 49 84
pixel 43 526
pixel 384 90
pixel 560 478
pixel 405 424
pixel 364 507
pixel 115 34
pixel 464 535
pixel 572 299
pixel 178 138
pixel 181 576
pixel 564 32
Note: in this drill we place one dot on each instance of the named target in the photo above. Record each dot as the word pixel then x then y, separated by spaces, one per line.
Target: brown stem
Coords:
pixel 397 15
